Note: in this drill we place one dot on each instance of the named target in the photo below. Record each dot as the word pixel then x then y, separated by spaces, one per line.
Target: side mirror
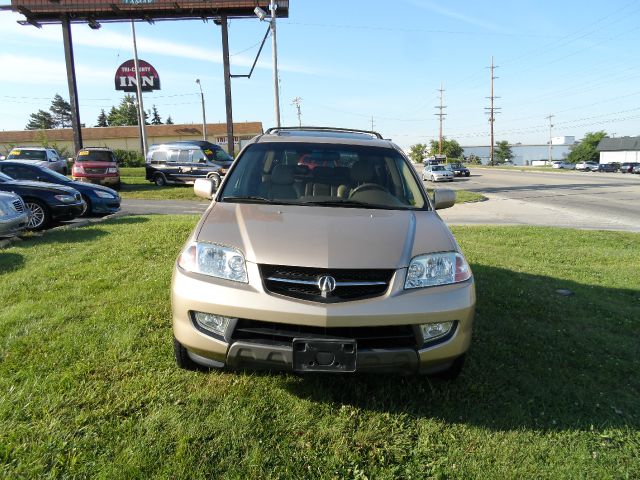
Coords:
pixel 202 160
pixel 204 187
pixel 444 198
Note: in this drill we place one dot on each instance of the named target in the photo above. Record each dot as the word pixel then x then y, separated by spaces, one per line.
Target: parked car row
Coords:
pixel 444 173
pixel 626 167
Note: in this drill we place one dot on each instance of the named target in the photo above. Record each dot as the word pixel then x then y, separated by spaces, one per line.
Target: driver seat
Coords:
pixel 361 172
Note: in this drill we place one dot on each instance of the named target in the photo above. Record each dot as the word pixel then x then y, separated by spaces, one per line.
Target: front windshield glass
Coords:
pixel 5 178
pixel 58 176
pixel 95 156
pixel 21 154
pixel 325 175
pixel 438 168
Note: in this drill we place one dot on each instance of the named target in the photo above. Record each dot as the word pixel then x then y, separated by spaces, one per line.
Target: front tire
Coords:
pixel 160 180
pixel 453 371
pixel 215 178
pixel 39 216
pixel 433 179
pixel 182 357
pixel 87 207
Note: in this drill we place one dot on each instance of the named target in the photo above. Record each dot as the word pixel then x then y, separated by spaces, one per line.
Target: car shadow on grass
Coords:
pixel 538 360
pixel 10 261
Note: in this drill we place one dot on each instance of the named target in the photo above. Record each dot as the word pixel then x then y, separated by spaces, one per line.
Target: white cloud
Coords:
pixel 431 6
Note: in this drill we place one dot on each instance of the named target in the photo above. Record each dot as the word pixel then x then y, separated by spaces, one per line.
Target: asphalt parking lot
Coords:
pixel 609 201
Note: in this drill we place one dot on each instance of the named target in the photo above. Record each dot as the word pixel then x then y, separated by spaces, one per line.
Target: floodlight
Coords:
pixel 260 13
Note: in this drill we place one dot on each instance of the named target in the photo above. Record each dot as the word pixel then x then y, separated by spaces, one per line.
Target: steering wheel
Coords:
pixel 365 187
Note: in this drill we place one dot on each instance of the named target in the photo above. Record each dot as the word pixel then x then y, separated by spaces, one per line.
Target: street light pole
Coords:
pixel 143 131
pixel 204 118
pixel 273 7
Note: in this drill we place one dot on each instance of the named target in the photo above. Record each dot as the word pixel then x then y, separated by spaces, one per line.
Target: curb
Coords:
pixel 7 242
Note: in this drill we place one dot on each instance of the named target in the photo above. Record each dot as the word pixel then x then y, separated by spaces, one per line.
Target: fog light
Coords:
pixel 431 331
pixel 212 323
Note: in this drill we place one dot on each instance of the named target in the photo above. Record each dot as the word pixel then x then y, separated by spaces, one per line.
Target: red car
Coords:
pixel 96 165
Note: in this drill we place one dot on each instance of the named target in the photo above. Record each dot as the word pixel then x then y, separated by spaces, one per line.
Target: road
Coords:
pixel 574 199
pixel 609 201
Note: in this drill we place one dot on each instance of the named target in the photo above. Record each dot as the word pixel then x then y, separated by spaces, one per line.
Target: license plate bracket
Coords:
pixel 324 355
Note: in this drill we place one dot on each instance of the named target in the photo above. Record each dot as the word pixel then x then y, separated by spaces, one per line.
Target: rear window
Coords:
pixel 95 156
pixel 22 154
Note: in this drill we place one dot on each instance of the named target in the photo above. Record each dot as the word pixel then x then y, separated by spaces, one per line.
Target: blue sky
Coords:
pixel 351 60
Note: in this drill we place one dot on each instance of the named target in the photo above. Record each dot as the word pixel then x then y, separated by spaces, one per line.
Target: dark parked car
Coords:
pixel 459 169
pixel 184 162
pixel 628 167
pixel 636 169
pixel 46 202
pixel 97 199
pixel 608 167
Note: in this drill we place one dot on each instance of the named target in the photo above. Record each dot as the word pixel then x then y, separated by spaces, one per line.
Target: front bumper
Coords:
pixel 99 179
pixel 14 224
pixel 397 307
pixel 67 211
pixel 105 205
pixel 442 178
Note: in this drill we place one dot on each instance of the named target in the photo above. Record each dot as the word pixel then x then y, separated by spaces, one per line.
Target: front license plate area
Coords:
pixel 324 355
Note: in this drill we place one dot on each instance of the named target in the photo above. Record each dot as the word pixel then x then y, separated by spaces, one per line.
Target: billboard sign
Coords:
pixel 126 77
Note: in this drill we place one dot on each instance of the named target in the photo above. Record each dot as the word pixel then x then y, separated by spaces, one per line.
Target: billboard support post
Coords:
pixel 143 130
pixel 227 84
pixel 71 81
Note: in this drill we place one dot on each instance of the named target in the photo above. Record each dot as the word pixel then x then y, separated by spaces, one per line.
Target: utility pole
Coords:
pixel 297 102
pixel 143 130
pixel 441 115
pixel 492 111
pixel 273 7
pixel 204 118
pixel 550 117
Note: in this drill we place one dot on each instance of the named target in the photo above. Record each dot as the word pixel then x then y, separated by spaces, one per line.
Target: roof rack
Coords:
pixel 322 129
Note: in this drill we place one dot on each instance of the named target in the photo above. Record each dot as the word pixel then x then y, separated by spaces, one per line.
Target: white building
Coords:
pixel 619 150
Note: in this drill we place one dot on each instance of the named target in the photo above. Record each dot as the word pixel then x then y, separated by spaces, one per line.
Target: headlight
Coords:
pixel 102 194
pixel 215 261
pixel 66 198
pixel 112 170
pixel 437 269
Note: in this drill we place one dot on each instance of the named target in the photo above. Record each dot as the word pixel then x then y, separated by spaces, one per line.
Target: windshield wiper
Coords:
pixel 246 199
pixel 348 203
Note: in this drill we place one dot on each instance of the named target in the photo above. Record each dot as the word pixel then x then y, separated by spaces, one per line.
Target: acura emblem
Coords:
pixel 326 284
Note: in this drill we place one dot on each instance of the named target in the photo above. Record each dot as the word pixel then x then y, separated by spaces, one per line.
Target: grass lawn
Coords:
pixel 90 389
pixel 134 185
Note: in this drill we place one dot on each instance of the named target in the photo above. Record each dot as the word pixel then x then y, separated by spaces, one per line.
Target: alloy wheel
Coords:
pixel 36 215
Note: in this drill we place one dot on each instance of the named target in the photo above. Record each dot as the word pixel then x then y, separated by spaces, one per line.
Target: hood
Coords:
pixel 43 186
pixel 325 237
pixel 81 186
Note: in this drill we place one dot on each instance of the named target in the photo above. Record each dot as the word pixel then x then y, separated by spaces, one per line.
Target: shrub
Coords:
pixel 129 158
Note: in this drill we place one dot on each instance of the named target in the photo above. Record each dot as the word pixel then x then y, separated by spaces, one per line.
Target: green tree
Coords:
pixel 124 114
pixel 417 152
pixel 450 148
pixel 61 111
pixel 102 119
pixel 503 152
pixel 169 121
pixel 155 117
pixel 41 120
pixel 586 150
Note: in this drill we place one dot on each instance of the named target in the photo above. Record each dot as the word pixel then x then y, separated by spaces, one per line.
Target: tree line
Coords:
pixel 125 114
pixel 583 151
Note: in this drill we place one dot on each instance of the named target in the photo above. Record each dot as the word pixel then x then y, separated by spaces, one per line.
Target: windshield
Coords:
pixel 58 176
pixel 95 156
pixel 5 178
pixel 342 175
pixel 218 155
pixel 20 154
pixel 438 168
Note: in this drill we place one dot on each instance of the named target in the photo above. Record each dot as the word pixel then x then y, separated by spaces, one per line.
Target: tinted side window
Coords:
pixel 20 173
pixel 159 156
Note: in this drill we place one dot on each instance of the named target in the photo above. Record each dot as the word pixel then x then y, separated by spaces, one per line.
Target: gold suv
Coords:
pixel 321 252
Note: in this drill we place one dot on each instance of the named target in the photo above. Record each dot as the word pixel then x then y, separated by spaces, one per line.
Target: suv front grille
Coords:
pixel 96 171
pixel 18 205
pixel 304 283
pixel 398 336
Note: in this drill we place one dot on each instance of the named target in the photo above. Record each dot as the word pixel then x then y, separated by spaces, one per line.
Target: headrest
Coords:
pixel 282 175
pixel 362 171
pixel 323 172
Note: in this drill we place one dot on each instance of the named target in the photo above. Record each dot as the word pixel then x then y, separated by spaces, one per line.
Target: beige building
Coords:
pixel 127 138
